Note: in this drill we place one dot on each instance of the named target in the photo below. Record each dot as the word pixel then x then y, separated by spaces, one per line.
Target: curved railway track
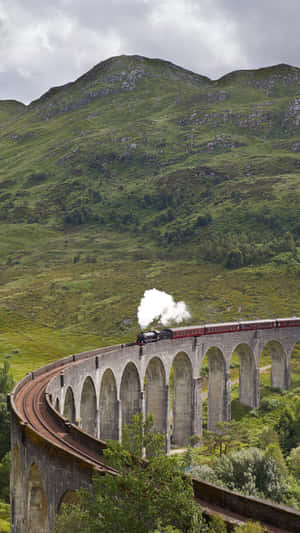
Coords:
pixel 32 406
pixel 33 409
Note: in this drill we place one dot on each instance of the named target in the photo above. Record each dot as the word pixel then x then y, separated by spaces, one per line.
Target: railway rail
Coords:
pixel 31 404
pixel 33 407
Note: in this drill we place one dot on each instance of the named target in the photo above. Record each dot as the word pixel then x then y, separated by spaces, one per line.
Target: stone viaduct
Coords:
pixel 91 396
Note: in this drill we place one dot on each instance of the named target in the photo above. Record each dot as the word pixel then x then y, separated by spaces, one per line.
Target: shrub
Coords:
pixel 294 462
pixel 234 258
pixel 251 472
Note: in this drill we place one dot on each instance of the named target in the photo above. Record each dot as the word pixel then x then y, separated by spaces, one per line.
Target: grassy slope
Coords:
pixel 51 306
pixel 96 174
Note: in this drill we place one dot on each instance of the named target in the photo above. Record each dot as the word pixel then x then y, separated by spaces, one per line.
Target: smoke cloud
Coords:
pixel 160 305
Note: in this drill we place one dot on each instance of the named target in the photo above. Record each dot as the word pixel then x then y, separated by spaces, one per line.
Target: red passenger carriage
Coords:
pixel 214 329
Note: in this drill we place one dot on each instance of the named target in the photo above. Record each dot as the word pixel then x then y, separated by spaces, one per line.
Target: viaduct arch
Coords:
pixel 79 400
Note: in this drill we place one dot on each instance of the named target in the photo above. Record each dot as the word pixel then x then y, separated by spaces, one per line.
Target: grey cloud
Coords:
pixel 15 87
pixel 49 43
pixel 268 30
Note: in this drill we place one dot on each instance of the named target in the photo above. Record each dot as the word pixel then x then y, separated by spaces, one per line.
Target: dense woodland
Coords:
pixel 141 174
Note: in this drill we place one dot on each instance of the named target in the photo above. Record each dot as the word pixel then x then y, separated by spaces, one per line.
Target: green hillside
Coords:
pixel 141 174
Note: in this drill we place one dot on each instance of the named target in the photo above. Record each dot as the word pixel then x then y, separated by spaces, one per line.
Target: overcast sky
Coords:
pixel 44 43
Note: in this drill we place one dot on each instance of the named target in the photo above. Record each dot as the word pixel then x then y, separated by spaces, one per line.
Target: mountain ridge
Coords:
pixel 173 66
pixel 188 185
pixel 141 145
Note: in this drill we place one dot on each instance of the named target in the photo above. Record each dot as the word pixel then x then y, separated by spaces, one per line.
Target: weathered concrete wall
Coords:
pixel 217 405
pixel 130 393
pixel 108 407
pixel 103 389
pixel 247 376
pixel 69 410
pixel 140 381
pixel 155 394
pixel 182 400
pixel 39 479
pixel 276 517
pixel 88 407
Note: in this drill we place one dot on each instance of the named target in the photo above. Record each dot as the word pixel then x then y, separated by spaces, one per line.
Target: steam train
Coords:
pixel 212 329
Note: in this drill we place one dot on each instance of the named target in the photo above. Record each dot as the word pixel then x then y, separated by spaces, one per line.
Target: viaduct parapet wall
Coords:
pixel 62 413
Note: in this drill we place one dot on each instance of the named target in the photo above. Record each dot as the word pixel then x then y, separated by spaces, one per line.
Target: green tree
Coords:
pixel 285 428
pixel 267 436
pixel 273 450
pixel 294 462
pixel 290 242
pixel 6 384
pixel 71 519
pixel 145 496
pixel 228 435
pixel 4 477
pixel 167 529
pixel 6 379
pixel 4 427
pixel 217 525
pixel 234 258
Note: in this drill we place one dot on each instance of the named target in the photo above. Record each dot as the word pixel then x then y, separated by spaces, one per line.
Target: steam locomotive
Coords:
pixel 211 329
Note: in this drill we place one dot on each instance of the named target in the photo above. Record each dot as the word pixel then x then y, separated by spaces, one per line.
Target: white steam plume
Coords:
pixel 160 305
